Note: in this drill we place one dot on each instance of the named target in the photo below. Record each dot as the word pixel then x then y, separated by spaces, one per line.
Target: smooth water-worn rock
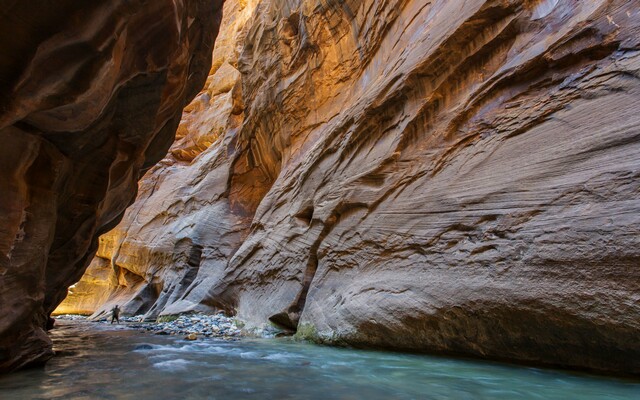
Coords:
pixel 91 94
pixel 437 176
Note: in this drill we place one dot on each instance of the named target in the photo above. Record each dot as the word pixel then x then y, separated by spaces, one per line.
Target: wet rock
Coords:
pixel 217 326
pixel 72 317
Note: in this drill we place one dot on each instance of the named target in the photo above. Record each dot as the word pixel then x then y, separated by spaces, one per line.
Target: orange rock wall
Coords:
pixel 91 94
pixel 443 176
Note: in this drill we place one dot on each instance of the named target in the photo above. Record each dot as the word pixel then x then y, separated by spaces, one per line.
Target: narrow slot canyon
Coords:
pixel 320 199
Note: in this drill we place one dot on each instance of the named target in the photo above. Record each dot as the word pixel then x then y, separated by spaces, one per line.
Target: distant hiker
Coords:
pixel 115 314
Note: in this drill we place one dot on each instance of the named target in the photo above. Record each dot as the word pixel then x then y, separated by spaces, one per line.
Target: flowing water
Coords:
pixel 103 362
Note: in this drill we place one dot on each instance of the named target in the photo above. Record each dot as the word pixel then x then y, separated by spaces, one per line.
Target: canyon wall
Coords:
pixel 91 96
pixel 439 176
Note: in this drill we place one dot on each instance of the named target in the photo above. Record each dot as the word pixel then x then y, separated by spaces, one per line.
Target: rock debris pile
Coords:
pixel 218 326
pixel 71 317
pixel 192 325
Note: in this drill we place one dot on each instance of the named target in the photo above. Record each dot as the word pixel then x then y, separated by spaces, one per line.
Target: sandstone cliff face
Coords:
pixel 91 96
pixel 181 220
pixel 438 176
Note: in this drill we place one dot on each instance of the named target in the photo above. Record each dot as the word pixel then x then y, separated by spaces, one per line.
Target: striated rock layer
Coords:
pixel 440 176
pixel 91 94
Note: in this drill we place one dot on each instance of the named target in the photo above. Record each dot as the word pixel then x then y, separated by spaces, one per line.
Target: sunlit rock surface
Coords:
pixel 91 94
pixel 439 176
pixel 181 220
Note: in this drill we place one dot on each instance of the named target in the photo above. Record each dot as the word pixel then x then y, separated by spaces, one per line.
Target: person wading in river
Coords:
pixel 115 314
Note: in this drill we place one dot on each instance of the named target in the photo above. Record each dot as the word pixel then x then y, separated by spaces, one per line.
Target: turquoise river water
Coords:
pixel 97 361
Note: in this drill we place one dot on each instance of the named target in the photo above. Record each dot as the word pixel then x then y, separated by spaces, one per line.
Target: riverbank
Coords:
pixel 191 326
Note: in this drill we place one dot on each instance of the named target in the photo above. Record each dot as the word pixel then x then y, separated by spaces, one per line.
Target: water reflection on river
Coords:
pixel 104 362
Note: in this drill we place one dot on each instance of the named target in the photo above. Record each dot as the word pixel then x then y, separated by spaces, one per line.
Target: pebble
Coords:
pixel 71 317
pixel 189 325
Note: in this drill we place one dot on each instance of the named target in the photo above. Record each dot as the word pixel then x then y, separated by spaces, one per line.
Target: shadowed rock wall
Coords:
pixel 91 94
pixel 443 176
pixel 181 220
